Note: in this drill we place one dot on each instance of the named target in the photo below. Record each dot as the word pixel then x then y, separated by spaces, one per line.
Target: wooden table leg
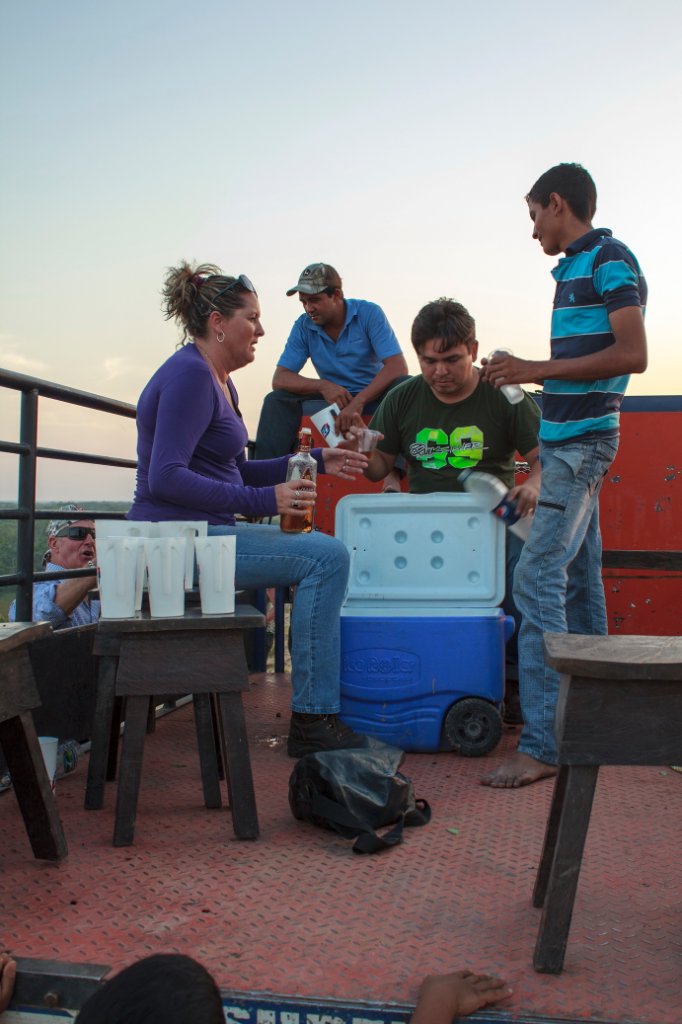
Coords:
pixel 101 728
pixel 238 766
pixel 117 717
pixel 562 882
pixel 32 787
pixel 130 769
pixel 549 845
pixel 208 752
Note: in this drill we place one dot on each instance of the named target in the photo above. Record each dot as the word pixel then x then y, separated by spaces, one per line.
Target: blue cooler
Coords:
pixel 422 636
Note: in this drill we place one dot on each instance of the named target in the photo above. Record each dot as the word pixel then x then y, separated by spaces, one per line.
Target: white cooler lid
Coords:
pixel 421 554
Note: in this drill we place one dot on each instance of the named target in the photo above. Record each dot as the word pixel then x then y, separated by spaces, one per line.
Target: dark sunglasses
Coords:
pixel 77 532
pixel 242 282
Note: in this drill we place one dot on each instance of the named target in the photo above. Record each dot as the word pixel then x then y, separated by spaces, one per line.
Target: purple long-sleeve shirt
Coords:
pixel 190 449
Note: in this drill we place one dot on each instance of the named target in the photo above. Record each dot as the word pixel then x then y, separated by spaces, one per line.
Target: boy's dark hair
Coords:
pixel 573 183
pixel 445 320
pixel 163 989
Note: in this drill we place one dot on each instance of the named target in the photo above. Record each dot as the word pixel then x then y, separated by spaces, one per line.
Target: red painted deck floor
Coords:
pixel 297 913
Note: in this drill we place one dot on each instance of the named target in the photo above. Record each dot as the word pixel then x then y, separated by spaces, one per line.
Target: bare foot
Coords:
pixel 519 770
pixel 444 996
pixel 8 973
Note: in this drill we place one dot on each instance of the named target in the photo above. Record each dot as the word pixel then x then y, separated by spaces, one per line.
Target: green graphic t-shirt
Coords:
pixel 439 440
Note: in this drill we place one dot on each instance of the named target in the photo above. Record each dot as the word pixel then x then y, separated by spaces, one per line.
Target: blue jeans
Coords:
pixel 318 565
pixel 557 584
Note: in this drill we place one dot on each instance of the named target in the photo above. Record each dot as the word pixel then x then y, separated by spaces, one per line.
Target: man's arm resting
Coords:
pixel 71 593
pixel 394 367
pixel 380 465
pixel 287 380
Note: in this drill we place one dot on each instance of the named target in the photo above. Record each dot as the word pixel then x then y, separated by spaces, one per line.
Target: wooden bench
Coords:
pixel 19 741
pixel 620 703
pixel 196 654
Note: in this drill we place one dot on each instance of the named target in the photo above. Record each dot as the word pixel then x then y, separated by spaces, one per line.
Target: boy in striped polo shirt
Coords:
pixel 598 340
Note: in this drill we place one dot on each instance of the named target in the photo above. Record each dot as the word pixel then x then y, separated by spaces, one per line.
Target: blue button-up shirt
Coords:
pixel 355 358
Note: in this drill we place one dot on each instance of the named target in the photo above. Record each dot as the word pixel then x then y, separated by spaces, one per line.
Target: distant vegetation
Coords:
pixel 8 542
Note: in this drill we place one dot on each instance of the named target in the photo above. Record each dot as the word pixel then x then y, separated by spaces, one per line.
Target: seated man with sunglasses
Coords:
pixel 71 545
pixel 354 352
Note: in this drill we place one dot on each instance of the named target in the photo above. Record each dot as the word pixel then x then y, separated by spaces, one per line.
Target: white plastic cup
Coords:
pixel 48 748
pixel 215 562
pixel 165 558
pixel 128 528
pixel 117 575
pixel 189 529
pixel 121 528
pixel 368 439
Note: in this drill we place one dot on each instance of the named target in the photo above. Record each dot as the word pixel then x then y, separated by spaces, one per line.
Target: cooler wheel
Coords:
pixel 472 727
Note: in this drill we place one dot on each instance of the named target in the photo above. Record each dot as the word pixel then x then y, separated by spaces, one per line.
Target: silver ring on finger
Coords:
pixel 297 493
pixel 294 504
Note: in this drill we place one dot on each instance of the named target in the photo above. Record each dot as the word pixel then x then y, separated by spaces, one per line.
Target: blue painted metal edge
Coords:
pixel 652 403
pixel 256 1008
pixel 637 403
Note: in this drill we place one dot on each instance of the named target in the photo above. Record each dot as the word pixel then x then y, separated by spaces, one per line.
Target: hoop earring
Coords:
pixel 220 337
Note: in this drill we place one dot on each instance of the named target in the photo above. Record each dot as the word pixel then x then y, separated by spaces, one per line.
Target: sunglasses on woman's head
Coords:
pixel 242 281
pixel 77 532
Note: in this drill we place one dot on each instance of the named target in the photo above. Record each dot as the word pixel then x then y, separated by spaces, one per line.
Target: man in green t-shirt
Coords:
pixel 448 419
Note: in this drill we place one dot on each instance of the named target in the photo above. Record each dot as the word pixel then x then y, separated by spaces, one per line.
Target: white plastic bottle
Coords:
pixel 512 392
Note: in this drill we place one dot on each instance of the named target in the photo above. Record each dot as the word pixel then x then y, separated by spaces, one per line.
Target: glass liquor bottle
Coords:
pixel 302 466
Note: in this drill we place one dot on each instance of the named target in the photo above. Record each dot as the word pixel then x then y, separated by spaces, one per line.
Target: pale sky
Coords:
pixel 393 140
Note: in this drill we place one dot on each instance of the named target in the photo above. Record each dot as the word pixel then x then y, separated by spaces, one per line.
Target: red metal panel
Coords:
pixel 643 484
pixel 637 511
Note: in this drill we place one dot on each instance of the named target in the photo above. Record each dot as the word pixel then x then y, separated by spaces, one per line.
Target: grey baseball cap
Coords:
pixel 315 278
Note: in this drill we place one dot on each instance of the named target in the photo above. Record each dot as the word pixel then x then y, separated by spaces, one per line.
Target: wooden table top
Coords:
pixel 14 634
pixel 616 657
pixel 245 616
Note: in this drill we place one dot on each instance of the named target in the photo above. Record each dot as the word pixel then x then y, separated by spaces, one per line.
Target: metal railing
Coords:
pixel 28 451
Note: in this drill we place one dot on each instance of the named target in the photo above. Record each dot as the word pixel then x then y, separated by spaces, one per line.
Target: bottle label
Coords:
pixel 506 511
pixel 297 474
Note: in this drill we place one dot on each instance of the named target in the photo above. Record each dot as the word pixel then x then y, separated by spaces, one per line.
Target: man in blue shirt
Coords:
pixel 598 340
pixel 71 545
pixel 354 351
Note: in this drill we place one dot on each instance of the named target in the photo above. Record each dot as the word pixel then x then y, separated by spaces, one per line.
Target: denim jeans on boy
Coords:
pixel 558 584
pixel 318 565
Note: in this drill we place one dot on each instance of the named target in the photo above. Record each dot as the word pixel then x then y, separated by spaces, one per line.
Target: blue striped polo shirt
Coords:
pixel 597 276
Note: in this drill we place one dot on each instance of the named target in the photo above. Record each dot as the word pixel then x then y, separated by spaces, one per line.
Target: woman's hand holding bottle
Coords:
pixel 295 497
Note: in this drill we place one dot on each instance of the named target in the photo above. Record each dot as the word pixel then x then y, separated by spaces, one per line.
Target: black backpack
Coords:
pixel 354 792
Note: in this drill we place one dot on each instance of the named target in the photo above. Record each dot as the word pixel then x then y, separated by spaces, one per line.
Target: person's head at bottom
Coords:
pixel 166 988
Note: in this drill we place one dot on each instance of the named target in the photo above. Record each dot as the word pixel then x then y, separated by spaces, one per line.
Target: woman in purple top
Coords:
pixel 191 465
